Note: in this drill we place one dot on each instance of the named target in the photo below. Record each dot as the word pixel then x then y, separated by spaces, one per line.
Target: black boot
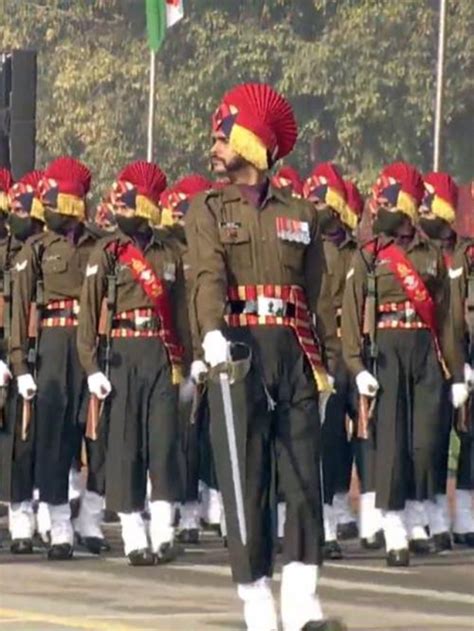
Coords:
pixel 347 531
pixel 60 552
pixel 420 546
pixel 95 545
pixel 141 558
pixel 189 536
pixel 21 546
pixel 398 558
pixel 325 625
pixel 166 553
pixel 442 541
pixel 464 539
pixel 332 551
pixel 375 542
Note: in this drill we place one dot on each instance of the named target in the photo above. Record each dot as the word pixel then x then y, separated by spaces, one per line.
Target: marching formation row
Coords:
pixel 236 332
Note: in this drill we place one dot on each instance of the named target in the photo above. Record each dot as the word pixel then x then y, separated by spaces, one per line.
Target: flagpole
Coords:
pixel 151 106
pixel 439 85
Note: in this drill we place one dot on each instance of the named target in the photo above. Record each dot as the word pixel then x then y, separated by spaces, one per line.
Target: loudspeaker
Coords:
pixel 18 111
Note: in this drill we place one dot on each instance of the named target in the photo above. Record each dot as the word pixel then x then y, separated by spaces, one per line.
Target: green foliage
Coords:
pixel 360 73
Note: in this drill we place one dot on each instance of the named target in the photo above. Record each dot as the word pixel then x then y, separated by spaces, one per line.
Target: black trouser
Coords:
pixel 192 430
pixel 465 477
pixel 409 417
pixel 16 454
pixel 57 408
pixel 143 437
pixel 443 437
pixel 287 438
pixel 337 452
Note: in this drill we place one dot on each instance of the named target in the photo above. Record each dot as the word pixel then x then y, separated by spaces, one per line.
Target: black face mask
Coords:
pixel 59 223
pixel 328 221
pixel 131 226
pixel 388 222
pixel 435 228
pixel 21 227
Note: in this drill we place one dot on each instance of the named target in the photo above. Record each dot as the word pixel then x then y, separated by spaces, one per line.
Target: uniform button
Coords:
pixel 264 239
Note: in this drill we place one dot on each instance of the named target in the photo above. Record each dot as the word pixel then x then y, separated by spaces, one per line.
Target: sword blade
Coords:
pixel 234 458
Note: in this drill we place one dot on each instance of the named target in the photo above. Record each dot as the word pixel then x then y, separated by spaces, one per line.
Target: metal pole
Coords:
pixel 439 85
pixel 151 106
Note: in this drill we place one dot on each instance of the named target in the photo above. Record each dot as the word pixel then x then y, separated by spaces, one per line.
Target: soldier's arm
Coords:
pixel 26 275
pixel 318 291
pixel 353 312
pixel 92 294
pixel 210 278
pixel 453 319
pixel 180 312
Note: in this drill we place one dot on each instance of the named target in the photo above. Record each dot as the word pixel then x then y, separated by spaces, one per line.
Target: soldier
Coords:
pixel 288 179
pixel 400 281
pixel 326 189
pixel 439 204
pixel 259 276
pixel 141 280
pixel 437 217
pixel 49 273
pixel 175 202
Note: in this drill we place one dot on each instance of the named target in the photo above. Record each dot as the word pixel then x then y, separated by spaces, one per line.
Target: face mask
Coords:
pixel 388 222
pixel 435 228
pixel 21 227
pixel 57 222
pixel 328 221
pixel 132 226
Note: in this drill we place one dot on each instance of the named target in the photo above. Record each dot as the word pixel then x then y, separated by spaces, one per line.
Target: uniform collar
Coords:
pixel 418 240
pixel 233 193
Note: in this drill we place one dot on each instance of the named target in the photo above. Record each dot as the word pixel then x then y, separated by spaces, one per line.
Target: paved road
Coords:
pixel 196 594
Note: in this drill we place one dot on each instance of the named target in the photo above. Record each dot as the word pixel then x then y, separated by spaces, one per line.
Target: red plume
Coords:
pixel 355 201
pixel 73 176
pixel 6 180
pixel 444 186
pixel 146 177
pixel 408 177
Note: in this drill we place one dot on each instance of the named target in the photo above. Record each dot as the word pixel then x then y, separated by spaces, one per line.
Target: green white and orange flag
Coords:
pixel 161 15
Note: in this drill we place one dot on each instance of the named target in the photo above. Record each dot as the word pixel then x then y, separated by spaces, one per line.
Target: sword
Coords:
pixel 234 459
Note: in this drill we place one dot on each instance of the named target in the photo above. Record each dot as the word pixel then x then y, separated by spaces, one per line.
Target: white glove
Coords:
pixel 198 370
pixel 216 348
pixel 99 385
pixel 367 384
pixel 5 374
pixel 26 386
pixel 186 390
pixel 324 397
pixel 469 376
pixel 459 394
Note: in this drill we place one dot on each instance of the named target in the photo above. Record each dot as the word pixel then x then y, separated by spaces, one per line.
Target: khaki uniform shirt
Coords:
pixel 428 260
pixel 462 268
pixel 232 243
pixel 9 249
pixel 62 266
pixel 130 295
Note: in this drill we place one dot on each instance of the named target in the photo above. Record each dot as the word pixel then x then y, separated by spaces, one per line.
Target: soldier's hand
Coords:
pixel 5 374
pixel 26 386
pixel 99 385
pixel 216 348
pixel 198 371
pixel 367 384
pixel 469 376
pixel 459 394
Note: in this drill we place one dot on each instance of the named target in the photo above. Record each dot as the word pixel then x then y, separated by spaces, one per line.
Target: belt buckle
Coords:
pixel 250 307
pixel 270 306
pixel 410 315
pixel 142 322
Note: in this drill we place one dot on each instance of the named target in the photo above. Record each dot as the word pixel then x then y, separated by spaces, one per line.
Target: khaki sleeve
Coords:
pixel 180 311
pixel 209 292
pixel 318 291
pixel 353 312
pixel 93 291
pixel 26 275
pixel 454 321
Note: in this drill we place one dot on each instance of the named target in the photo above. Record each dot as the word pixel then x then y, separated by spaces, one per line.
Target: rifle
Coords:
pixel 34 328
pixel 95 407
pixel 5 322
pixel 464 415
pixel 367 404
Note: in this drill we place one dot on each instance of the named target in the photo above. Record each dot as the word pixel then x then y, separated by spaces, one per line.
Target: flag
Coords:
pixel 160 15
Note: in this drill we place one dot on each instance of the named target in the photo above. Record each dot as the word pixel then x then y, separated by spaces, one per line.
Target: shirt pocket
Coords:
pixel 292 255
pixel 54 267
pixel 124 275
pixel 237 245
